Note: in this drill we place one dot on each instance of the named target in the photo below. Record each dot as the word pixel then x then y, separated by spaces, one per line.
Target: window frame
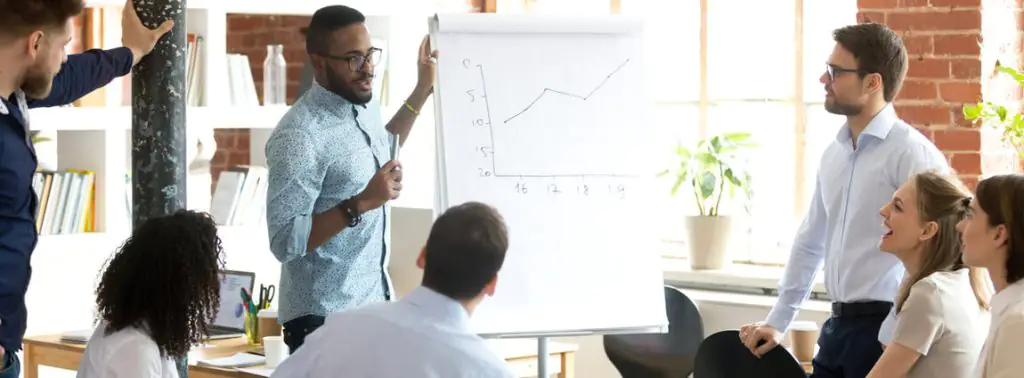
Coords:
pixel 798 100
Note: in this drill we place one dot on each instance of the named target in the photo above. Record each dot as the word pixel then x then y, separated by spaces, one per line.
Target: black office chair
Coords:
pixel 653 355
pixel 722 355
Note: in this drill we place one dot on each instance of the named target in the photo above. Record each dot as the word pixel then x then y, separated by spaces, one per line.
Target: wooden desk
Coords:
pixel 521 355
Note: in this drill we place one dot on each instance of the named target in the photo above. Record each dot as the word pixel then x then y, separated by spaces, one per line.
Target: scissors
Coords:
pixel 267 295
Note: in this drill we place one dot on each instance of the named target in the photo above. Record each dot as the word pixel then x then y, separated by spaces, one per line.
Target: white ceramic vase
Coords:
pixel 708 241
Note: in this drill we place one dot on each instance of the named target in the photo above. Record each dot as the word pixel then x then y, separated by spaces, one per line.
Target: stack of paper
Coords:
pixel 258 371
pixel 237 361
pixel 76 337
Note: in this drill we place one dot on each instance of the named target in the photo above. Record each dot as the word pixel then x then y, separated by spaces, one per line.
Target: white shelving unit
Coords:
pixel 99 139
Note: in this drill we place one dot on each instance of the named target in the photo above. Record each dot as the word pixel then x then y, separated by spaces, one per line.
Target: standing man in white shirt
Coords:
pixel 873 154
pixel 426 334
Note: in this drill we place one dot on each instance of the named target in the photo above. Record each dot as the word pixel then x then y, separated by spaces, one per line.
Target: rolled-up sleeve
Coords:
pixel 295 180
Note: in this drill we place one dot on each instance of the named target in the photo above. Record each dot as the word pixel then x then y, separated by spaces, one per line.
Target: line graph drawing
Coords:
pixel 491 150
pixel 566 94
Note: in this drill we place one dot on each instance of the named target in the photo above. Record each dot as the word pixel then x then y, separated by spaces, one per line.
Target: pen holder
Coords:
pixel 252 329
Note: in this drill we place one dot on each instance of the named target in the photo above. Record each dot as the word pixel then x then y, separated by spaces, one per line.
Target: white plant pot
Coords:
pixel 709 241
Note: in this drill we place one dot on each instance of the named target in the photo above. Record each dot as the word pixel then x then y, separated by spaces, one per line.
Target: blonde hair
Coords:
pixel 945 201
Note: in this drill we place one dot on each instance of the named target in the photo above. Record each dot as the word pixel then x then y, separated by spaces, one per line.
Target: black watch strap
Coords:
pixel 348 207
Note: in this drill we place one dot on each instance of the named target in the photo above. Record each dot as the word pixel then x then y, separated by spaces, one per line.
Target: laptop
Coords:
pixel 230 320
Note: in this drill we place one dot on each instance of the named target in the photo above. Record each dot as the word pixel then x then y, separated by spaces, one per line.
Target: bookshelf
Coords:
pixel 96 137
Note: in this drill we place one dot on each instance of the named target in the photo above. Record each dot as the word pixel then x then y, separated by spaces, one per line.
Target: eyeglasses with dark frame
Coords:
pixel 356 62
pixel 834 70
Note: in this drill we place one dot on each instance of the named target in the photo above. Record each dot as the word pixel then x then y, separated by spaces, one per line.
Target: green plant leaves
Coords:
pixel 713 169
pixel 998 116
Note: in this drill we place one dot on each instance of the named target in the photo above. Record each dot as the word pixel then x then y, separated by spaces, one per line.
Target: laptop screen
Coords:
pixel 231 311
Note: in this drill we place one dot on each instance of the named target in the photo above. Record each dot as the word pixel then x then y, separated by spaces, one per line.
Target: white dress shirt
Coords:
pixel 130 352
pixel 424 335
pixel 842 228
pixel 1001 355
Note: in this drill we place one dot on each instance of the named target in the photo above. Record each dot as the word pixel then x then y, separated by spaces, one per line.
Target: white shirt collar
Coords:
pixel 1005 299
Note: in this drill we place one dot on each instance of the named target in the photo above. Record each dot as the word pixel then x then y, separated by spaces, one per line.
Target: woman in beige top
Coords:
pixel 993 239
pixel 941 313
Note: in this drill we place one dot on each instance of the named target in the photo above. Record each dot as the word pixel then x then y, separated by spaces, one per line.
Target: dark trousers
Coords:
pixel 10 367
pixel 848 344
pixel 296 330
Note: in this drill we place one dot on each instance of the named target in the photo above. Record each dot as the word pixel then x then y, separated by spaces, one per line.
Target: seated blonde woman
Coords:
pixel 941 313
pixel 993 239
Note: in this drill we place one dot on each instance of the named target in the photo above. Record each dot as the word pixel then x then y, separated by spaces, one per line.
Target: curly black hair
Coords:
pixel 165 279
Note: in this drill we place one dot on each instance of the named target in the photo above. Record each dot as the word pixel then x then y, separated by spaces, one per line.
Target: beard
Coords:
pixel 837 107
pixel 38 84
pixel 338 85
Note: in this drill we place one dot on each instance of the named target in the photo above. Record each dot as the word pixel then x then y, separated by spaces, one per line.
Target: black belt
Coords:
pixel 855 309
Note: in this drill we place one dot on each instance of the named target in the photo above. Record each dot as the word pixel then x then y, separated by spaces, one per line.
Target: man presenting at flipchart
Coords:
pixel 331 175
pixel 872 155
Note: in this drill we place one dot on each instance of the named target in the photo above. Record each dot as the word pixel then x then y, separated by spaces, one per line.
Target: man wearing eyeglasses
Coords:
pixel 873 154
pixel 331 177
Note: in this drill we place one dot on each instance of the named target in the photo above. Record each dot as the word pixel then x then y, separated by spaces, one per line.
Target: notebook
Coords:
pixel 76 337
pixel 239 360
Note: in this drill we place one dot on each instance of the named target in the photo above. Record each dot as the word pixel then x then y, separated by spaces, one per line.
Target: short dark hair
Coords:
pixel 324 22
pixel 20 17
pixel 465 250
pixel 166 278
pixel 1002 198
pixel 878 50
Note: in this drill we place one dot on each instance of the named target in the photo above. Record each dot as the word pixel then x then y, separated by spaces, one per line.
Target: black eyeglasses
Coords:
pixel 833 71
pixel 356 62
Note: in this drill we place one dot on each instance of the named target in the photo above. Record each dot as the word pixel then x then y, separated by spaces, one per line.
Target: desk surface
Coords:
pixel 509 349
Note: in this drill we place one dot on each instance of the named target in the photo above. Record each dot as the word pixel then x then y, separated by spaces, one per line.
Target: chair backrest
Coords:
pixel 651 355
pixel 723 355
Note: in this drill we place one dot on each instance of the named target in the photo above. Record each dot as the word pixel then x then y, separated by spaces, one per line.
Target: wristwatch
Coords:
pixel 348 207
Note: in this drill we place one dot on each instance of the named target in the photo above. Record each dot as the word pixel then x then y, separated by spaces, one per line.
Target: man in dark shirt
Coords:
pixel 36 72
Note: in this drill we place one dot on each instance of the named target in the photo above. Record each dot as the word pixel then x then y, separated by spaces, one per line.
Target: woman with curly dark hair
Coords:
pixel 155 298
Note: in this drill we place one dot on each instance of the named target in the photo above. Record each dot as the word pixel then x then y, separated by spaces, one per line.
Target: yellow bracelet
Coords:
pixel 411 109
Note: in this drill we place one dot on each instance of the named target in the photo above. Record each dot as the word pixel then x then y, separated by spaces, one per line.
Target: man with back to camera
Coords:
pixel 873 154
pixel 330 177
pixel 36 72
pixel 427 333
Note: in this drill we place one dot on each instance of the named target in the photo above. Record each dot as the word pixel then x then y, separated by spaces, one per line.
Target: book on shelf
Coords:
pixel 194 89
pixel 67 201
pixel 241 84
pixel 240 196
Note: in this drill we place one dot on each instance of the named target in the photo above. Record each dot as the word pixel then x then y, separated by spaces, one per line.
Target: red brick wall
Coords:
pixel 942 37
pixel 249 35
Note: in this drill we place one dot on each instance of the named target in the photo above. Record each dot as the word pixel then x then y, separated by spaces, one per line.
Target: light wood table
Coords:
pixel 521 355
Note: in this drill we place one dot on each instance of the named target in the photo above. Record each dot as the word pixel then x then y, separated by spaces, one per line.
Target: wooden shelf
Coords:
pixel 119 118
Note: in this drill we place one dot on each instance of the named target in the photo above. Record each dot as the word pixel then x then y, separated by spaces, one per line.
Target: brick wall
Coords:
pixel 948 68
pixel 250 34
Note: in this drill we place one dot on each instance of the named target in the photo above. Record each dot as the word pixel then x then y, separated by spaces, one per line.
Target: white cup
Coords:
pixel 275 350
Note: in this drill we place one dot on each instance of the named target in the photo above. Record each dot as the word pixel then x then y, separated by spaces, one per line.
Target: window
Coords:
pixel 749 71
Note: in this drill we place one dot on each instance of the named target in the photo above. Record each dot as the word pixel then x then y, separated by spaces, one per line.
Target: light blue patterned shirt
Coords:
pixel 324 150
pixel 842 228
pixel 424 335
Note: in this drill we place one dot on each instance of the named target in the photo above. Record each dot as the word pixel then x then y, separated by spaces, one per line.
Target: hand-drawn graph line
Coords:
pixel 567 94
pixel 490 129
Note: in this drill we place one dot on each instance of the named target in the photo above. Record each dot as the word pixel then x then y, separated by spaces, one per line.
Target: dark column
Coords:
pixel 158 116
pixel 158 120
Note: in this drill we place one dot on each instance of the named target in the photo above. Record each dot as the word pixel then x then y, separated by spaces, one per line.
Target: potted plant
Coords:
pixel 1011 126
pixel 712 170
